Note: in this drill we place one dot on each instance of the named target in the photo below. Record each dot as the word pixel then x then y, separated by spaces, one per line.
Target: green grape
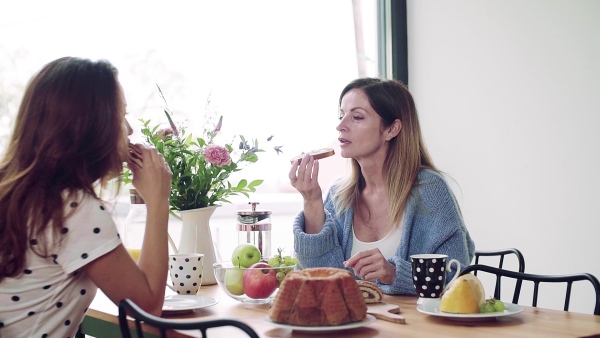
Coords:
pixel 274 261
pixel 488 308
pixel 499 306
pixel 294 260
pixel 280 276
pixel 287 259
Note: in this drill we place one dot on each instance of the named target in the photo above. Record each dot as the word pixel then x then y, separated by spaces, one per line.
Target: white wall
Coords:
pixel 509 98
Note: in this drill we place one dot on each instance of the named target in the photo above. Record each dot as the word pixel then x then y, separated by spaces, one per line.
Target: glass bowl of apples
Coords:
pixel 251 281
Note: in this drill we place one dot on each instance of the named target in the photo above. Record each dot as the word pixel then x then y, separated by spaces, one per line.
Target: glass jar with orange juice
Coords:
pixel 135 225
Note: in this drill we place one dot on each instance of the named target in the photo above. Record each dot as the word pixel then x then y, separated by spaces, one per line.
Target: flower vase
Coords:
pixel 197 238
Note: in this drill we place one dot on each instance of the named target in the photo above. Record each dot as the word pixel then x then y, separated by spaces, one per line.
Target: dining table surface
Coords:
pixel 101 320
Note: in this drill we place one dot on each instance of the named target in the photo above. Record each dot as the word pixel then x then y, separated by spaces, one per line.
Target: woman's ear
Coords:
pixel 393 130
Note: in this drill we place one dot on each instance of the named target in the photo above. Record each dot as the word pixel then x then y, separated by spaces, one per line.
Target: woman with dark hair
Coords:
pixel 394 203
pixel 58 242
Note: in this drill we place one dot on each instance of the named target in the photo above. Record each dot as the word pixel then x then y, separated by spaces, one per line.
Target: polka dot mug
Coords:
pixel 429 274
pixel 186 273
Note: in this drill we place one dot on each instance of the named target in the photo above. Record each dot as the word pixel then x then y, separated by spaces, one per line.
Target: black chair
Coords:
pixel 501 253
pixel 537 279
pixel 127 307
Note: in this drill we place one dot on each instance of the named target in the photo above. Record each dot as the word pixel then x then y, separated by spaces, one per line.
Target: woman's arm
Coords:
pixel 304 176
pixel 115 273
pixel 329 247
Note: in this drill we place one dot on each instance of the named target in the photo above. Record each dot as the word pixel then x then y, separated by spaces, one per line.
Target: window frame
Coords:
pixel 392 40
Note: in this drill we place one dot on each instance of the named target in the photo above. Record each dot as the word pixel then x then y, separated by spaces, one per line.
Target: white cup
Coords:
pixel 186 273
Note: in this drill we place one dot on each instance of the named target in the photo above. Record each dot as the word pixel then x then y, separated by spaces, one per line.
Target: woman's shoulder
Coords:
pixel 77 195
pixel 81 199
pixel 432 184
pixel 430 177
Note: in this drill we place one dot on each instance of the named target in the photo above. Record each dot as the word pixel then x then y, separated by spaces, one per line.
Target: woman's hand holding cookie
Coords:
pixel 304 173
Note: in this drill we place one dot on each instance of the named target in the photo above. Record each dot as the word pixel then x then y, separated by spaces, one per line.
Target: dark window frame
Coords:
pixel 392 40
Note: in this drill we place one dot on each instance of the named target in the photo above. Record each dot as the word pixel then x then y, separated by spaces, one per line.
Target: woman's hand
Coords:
pixel 304 176
pixel 370 264
pixel 115 273
pixel 151 174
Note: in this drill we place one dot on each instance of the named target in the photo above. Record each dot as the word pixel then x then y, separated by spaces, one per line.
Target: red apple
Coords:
pixel 260 281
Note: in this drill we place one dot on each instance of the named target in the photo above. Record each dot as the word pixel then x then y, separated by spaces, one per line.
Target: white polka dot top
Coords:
pixel 50 297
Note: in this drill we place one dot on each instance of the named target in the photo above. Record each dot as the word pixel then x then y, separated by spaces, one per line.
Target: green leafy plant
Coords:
pixel 201 167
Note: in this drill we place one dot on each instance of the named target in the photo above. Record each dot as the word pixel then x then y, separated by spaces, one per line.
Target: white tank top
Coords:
pixel 387 245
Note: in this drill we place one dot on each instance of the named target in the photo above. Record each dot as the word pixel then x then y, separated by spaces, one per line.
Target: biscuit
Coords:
pixel 316 154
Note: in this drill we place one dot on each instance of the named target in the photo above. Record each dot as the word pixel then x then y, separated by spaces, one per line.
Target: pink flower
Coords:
pixel 217 155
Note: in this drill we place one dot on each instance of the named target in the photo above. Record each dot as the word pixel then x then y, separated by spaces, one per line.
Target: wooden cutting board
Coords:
pixel 385 311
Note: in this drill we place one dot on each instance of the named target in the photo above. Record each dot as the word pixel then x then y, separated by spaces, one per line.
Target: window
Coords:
pixel 270 68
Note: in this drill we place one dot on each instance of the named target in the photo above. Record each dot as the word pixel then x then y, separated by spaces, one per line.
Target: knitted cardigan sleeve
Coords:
pixel 325 248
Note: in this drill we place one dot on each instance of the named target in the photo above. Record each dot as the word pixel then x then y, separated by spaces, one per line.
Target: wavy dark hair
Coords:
pixel 66 138
pixel 407 154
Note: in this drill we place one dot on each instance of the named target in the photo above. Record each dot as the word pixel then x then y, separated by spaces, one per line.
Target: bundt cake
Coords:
pixel 318 297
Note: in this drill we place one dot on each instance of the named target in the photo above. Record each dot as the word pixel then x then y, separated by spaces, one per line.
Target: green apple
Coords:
pixel 234 281
pixel 245 255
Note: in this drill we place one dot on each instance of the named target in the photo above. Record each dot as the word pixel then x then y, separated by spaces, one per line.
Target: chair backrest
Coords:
pixel 537 279
pixel 127 307
pixel 501 253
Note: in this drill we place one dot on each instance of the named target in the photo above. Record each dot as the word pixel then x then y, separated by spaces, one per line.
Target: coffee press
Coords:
pixel 254 227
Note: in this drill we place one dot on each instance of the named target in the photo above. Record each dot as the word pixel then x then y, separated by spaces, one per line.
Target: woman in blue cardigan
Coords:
pixel 393 204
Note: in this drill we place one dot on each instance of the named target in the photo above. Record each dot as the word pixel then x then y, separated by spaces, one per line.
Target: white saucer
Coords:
pixel 177 303
pixel 368 320
pixel 433 308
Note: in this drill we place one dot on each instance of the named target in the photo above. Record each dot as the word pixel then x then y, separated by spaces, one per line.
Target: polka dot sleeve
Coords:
pixel 89 232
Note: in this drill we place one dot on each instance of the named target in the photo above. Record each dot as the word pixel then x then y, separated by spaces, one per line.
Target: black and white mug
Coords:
pixel 186 273
pixel 429 274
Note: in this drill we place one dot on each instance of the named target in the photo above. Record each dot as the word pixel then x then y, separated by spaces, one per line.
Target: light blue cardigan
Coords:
pixel 432 224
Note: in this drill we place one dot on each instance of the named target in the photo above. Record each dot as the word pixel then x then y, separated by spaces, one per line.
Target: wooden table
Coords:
pixel 102 321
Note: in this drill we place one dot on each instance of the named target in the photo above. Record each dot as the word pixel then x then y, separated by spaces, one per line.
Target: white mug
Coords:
pixel 186 273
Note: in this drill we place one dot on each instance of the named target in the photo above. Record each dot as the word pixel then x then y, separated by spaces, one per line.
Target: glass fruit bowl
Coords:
pixel 254 285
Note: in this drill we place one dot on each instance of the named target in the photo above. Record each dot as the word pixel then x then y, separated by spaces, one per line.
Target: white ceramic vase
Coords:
pixel 197 238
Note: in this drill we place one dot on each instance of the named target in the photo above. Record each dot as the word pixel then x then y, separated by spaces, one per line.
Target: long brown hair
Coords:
pixel 66 138
pixel 406 154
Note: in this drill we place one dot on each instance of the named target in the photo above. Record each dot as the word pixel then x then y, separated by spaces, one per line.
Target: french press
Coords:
pixel 254 227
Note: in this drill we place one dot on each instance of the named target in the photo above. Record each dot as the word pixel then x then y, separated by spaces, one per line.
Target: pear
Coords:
pixel 464 295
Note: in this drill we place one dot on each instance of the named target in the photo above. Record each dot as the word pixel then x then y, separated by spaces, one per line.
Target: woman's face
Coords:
pixel 361 131
pixel 126 128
